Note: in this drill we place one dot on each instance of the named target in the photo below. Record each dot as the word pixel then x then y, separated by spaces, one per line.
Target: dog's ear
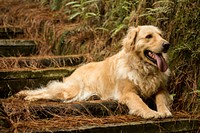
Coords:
pixel 130 39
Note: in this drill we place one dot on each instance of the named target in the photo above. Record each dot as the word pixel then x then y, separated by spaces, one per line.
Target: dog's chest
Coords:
pixel 147 80
pixel 146 84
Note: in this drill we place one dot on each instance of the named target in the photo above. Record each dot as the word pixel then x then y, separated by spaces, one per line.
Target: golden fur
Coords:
pixel 127 76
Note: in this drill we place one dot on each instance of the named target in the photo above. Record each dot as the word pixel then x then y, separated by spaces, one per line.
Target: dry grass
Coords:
pixel 20 118
pixel 40 62
pixel 39 23
pixel 52 30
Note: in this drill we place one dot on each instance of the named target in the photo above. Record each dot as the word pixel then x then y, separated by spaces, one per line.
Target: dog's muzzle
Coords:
pixel 157 59
pixel 165 46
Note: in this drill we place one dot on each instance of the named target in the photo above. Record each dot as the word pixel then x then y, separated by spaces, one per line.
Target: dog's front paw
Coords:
pixel 166 114
pixel 147 114
pixel 151 115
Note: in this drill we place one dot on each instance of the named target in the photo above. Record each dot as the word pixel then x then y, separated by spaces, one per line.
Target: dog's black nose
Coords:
pixel 165 46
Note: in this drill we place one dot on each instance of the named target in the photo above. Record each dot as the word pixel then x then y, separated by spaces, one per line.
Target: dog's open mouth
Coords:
pixel 157 59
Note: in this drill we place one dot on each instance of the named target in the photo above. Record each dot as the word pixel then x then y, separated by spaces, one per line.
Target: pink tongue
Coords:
pixel 161 63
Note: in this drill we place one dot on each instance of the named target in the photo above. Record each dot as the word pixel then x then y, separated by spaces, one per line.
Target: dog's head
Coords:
pixel 147 43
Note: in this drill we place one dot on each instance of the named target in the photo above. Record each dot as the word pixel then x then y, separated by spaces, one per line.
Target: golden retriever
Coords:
pixel 138 71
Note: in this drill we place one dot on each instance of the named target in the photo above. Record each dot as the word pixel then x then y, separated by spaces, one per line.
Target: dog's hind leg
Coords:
pixel 31 92
pixel 53 91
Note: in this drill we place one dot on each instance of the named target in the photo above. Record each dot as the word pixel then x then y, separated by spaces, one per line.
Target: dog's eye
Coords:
pixel 149 36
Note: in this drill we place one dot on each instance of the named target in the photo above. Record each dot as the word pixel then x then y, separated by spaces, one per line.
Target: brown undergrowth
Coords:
pixel 21 116
pixel 40 62
pixel 52 30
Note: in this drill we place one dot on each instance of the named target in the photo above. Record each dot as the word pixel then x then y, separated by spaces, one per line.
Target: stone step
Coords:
pixel 17 73
pixel 34 74
pixel 36 62
pixel 9 47
pixel 44 109
pixel 150 126
pixel 10 32
pixel 12 81
pixel 85 117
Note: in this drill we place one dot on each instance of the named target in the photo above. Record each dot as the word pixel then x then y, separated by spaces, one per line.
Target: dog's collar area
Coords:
pixel 157 59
